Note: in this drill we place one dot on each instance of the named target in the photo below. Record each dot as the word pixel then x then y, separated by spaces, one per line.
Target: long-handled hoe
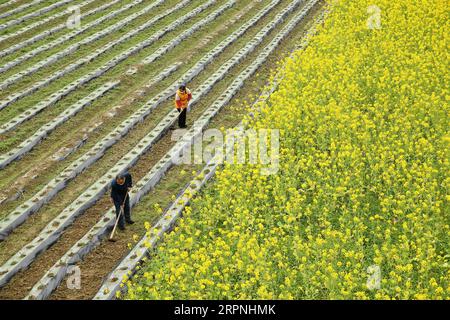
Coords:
pixel 111 237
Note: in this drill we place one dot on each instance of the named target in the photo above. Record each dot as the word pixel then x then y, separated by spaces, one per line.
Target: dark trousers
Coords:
pixel 126 211
pixel 182 118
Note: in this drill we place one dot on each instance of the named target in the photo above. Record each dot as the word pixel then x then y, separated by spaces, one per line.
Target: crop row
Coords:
pixel 128 265
pixel 42 132
pixel 77 208
pixel 40 22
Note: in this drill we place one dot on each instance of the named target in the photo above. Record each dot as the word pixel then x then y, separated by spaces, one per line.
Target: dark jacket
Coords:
pixel 118 191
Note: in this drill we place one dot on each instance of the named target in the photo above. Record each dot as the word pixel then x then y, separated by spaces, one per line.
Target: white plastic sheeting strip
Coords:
pixel 73 47
pixel 33 14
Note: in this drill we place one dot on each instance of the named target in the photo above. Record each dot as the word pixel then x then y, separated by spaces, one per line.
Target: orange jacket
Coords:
pixel 182 99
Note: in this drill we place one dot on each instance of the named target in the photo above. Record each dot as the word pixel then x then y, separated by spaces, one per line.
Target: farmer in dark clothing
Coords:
pixel 119 189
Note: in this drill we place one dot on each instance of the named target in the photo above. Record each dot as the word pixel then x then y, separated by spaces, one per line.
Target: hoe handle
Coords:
pixel 118 217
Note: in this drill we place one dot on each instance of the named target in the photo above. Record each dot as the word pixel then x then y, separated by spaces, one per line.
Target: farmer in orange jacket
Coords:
pixel 182 98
